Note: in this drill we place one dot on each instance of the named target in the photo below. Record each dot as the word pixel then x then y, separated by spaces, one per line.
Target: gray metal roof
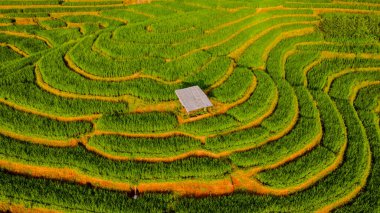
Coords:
pixel 193 98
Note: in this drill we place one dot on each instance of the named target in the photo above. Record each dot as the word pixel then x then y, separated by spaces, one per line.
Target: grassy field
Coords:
pixel 89 121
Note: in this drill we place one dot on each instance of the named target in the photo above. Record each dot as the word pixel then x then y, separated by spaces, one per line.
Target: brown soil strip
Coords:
pixel 377 109
pixel 355 191
pixel 295 51
pixel 311 181
pixel 358 87
pixel 115 19
pixel 168 106
pixel 244 29
pixel 57 6
pixel 26 35
pixel 15 49
pixel 19 208
pixel 149 135
pixel 332 55
pixel 44 141
pixel 54 117
pixel 62 174
pixel 357 3
pixel 198 188
pixel 338 2
pixel 224 78
pixel 244 180
pixel 70 64
pixel 238 52
pixel 283 36
pixel 196 153
pixel 190 188
pixel 141 13
pixel 215 29
pixel 316 140
pixel 5 24
pixel 26 21
pixel 130 2
pixel 60 15
pixel 267 9
pixel 135 104
pixel 60 93
pixel 75 25
pixel 285 57
pixel 319 11
pixel 334 76
pixel 309 67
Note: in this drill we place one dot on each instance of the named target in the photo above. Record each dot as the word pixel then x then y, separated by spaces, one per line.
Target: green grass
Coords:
pixel 144 147
pixel 235 87
pixel 177 44
pixel 91 164
pixel 140 123
pixel 259 102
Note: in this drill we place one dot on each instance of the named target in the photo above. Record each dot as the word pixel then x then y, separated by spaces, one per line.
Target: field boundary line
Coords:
pixel 312 180
pixel 190 187
pixel 15 49
pixel 284 36
pixel 66 174
pixel 319 11
pixel 325 55
pixel 220 81
pixel 356 3
pixel 49 142
pixel 54 117
pixel 314 142
pixel 52 90
pixel 253 185
pixel 12 207
pixel 358 87
pixel 196 153
pixel 362 183
pixel 26 35
pixel 237 53
pixel 71 65
pixel 242 29
pixel 331 78
pixel 6 7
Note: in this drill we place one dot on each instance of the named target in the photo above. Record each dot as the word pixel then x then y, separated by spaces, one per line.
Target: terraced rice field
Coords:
pixel 89 118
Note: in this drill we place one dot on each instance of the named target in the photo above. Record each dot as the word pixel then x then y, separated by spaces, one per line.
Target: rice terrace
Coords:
pixel 286 92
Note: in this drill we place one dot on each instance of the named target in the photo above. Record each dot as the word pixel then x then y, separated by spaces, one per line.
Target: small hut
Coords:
pixel 193 98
